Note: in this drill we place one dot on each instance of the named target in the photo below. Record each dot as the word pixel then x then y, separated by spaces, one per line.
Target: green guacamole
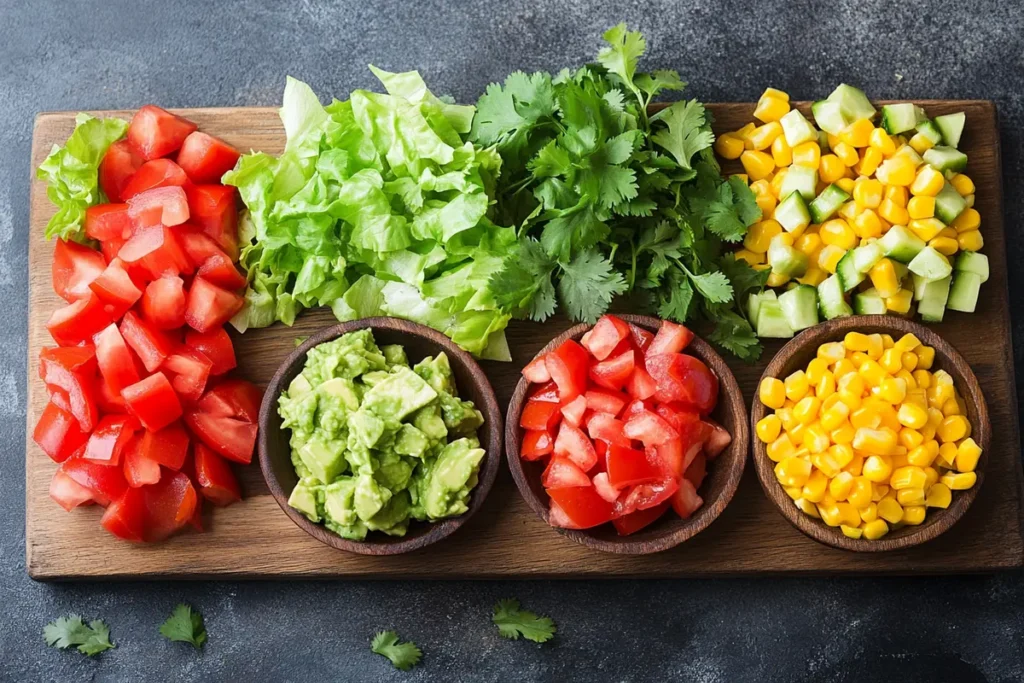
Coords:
pixel 377 442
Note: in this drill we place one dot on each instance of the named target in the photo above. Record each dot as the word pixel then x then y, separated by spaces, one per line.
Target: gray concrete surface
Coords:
pixel 118 54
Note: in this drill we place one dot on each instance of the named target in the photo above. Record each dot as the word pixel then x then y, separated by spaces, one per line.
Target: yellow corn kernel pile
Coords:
pixel 888 182
pixel 867 437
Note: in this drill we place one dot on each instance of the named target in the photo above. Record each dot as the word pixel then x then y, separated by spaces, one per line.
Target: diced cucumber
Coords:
pixel 972 262
pixel 830 299
pixel 797 129
pixel 910 153
pixel 771 321
pixel 754 303
pixel 799 179
pixel 946 158
pixel 899 118
pixel 826 203
pixel 919 286
pixel 901 271
pixel 930 264
pixel 829 116
pixel 853 103
pixel 963 295
pixel 949 204
pixel 952 127
pixel 823 142
pixel 869 302
pixel 900 244
pixel 792 213
pixel 865 257
pixel 785 259
pixel 932 304
pixel 847 273
pixel 931 131
pixel 800 306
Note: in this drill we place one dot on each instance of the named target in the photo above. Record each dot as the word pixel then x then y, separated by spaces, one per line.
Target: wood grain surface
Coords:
pixel 255 539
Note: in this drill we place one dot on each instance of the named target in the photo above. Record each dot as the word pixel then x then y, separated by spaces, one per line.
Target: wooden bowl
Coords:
pixel 797 353
pixel 669 531
pixel 419 342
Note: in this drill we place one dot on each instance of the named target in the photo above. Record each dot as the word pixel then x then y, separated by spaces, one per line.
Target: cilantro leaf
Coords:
pixel 676 305
pixel 513 622
pixel 588 285
pixel 734 334
pixel 508 112
pixel 70 631
pixel 714 286
pixel 687 131
pixel 572 229
pixel 403 656
pixel 523 285
pixel 624 49
pixel 744 200
pixel 185 626
pixel 743 277
pixel 658 80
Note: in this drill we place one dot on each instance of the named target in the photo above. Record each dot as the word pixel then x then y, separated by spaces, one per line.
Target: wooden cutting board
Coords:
pixel 254 539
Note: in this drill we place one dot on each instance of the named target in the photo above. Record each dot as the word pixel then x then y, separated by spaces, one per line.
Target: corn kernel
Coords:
pixel 768 428
pixel 928 182
pixel 960 481
pixel 796 385
pixel 893 213
pixel 875 529
pixel 912 416
pixel 831 168
pixel 874 441
pixel 912 496
pixel 851 531
pixel 772 392
pixel 892 390
pixel 816 439
pixel 877 469
pixel 946 246
pixel 890 510
pixel 843 367
pixel 970 201
pixel 913 515
pixel 830 514
pixel 762 137
pixel 806 409
pixel 921 207
pixel 897 170
pixel 891 360
pixel 760 235
pixel 870 158
pixel 970 241
pixel 786 416
pixel 841 485
pixel 953 428
pixel 880 492
pixel 908 477
pixel 843 434
pixel 831 352
pixel 793 471
pixel 883 277
pixel 926 228
pixel 897 195
pixel 757 164
pixel 814 489
pixel 807 507
pixel 857 134
pixel 967 455
pixel 925 357
pixel 867 224
pixel 950 407
pixel 751 257
pixel 827 463
pixel 780 449
pixel 922 377
pixel 767 203
pixel 796 434
pixel 921 456
pixel 809 244
pixel 807 154
pixel 920 143
pixel 728 146
pixel 938 496
pixel 900 302
pixel 829 256
pixel 962 184
pixel 771 108
pixel 868 192
pixel 909 438
pixel 846 153
pixel 782 153
pixel 837 232
pixel 793 492
pixel 860 493
pixel 835 416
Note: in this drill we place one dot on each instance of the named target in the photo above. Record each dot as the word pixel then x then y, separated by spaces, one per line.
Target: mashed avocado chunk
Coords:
pixel 377 442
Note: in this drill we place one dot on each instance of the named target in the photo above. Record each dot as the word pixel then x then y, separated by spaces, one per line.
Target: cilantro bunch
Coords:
pixel 609 200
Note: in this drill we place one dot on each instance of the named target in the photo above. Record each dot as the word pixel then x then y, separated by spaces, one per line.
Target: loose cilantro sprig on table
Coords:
pixel 513 622
pixel 403 656
pixel 71 631
pixel 185 626
pixel 608 200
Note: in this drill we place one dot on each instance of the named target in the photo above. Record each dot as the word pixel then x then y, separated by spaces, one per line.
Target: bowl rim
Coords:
pixel 946 358
pixel 635 544
pixel 490 439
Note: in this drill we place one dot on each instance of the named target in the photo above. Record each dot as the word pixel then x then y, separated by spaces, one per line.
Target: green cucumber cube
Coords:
pixel 869 302
pixel 899 118
pixel 771 321
pixel 826 203
pixel 972 262
pixel 931 265
pixel 829 116
pixel 949 204
pixel 900 244
pixel 799 179
pixel 946 158
pixel 853 103
pixel 952 127
pixel 797 129
pixel 792 212
pixel 800 306
pixel 963 295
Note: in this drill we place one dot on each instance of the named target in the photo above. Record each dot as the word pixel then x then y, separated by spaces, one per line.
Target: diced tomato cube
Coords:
pixel 155 132
pixel 165 206
pixel 606 401
pixel 126 516
pixel 697 470
pixel 67 492
pixel 604 487
pixel 640 384
pixel 637 520
pixel 540 415
pixel 671 338
pixel 636 406
pixel 537 371
pixel 650 428
pixel 641 338
pixel 547 393
pixel 152 175
pixel 217 481
pixel 105 222
pixel 567 366
pixel 606 428
pixel 206 158
pixel 157 252
pixel 168 446
pixel 562 472
pixel 106 483
pixel 170 504
pixel 188 370
pixel 117 367
pixel 72 370
pixel 614 372
pixel 574 444
pixel 73 267
pixel 558 518
pixel 139 469
pixel 118 166
pixel 215 345
pixel 628 467
pixel 163 303
pixel 151 345
pixel 79 321
pixel 58 433
pixel 213 208
pixel 536 444
pixel 209 306
pixel 717 441
pixel 107 442
pixel 574 409
pixel 683 378
pixel 582 506
pixel 685 500
pixel 153 401
pixel 233 398
pixel 197 245
pixel 219 270
pixel 605 336
pixel 115 288
pixel 234 439
pixel 646 496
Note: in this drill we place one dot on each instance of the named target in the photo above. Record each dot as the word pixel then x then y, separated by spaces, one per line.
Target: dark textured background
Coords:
pixel 122 54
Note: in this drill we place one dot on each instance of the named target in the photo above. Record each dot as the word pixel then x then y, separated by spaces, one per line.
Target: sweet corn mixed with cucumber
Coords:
pixel 868 437
pixel 857 217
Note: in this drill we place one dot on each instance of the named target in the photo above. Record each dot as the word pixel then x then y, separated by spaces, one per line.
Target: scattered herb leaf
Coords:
pixel 185 626
pixel 71 631
pixel 403 656
pixel 513 622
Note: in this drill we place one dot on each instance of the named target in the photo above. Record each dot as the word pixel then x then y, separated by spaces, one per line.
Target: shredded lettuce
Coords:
pixel 71 173
pixel 377 206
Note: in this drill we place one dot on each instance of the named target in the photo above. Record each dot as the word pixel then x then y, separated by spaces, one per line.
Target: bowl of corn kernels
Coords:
pixel 871 433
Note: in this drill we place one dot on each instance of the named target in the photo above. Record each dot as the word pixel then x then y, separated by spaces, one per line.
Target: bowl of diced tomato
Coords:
pixel 628 436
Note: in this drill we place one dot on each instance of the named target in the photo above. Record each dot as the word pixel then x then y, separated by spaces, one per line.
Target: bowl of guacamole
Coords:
pixel 379 436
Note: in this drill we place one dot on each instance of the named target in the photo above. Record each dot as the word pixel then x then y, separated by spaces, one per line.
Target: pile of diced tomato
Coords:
pixel 624 417
pixel 141 416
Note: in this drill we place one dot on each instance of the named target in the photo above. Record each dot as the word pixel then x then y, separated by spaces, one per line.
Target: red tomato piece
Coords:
pixel 606 428
pixel 605 336
pixel 67 492
pixel 650 428
pixel 567 366
pixel 641 337
pixel 163 303
pixel 170 504
pixel 72 370
pixel 683 378
pixel 582 506
pixel 635 521
pixel 574 409
pixel 671 338
pixel 558 518
pixel 717 441
pixel 111 246
pixel 197 245
pixel 210 306
pixel 234 439
pixel 685 500
pixel 106 483
pixel 116 289
pixel 108 221
pixel 214 209
pixel 168 446
pixel 547 393
pixel 606 401
pixel 672 456
pixel 126 516
pixel 537 371
pixel 58 433
pixel 636 406
pixel 152 175
pixel 640 384
pixel 646 496
pixel 189 370
pixel 219 270
pixel 139 470
pixel 118 166
pixel 146 243
pixel 604 487
pixel 79 321
pixel 206 158
pixel 151 345
pixel 109 401
pixel 153 401
pixel 73 267
pixel 541 415
pixel 681 419
pixel 234 398
pixel 562 472
pixel 107 442
pixel 697 470
pixel 614 372
pixel 215 345
pixel 628 467
pixel 155 132
pixel 166 206
pixel 217 481
pixel 574 444
pixel 536 444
